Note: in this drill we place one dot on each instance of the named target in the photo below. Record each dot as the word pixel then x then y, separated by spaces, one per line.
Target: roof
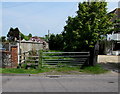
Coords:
pixel 37 39
pixel 116 12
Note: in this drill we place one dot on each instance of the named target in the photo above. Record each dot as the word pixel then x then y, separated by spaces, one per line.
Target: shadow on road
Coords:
pixel 111 66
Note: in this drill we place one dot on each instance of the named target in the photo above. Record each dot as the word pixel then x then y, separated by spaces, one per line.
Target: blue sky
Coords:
pixel 39 17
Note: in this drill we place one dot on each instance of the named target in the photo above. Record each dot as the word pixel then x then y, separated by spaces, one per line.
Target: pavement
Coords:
pixel 61 83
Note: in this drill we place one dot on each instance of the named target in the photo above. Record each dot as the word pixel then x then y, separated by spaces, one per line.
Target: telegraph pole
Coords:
pixel 48 34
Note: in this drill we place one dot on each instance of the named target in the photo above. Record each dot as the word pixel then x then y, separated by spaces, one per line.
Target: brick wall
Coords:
pixel 14 56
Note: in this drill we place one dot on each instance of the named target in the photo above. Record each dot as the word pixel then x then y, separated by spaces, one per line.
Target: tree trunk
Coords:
pixel 94 55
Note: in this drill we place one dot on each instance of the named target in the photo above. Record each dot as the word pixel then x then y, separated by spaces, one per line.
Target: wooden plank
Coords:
pixel 32 56
pixel 72 63
pixel 65 59
pixel 22 61
pixel 64 52
pixel 32 60
pixel 51 63
pixel 28 60
pixel 25 52
pixel 69 56
pixel 32 63
pixel 28 56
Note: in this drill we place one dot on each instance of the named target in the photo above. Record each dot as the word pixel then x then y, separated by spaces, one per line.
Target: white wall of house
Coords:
pixel 25 46
pixel 114 37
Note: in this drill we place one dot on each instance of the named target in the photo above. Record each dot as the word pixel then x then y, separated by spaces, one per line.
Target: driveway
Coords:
pixel 61 83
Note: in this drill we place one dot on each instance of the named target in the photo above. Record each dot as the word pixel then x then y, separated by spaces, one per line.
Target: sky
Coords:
pixel 39 17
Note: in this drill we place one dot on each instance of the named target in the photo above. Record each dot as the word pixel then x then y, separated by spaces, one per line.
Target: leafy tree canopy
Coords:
pixel 3 39
pixel 85 29
pixel 14 34
pixel 30 35
pixel 56 42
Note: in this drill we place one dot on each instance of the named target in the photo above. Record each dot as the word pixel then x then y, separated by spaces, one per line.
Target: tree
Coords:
pixel 46 38
pixel 59 42
pixel 3 38
pixel 52 42
pixel 30 35
pixel 14 34
pixel 83 31
pixel 56 42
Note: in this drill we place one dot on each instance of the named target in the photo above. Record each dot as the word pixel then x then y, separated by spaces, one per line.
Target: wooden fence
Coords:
pixel 29 59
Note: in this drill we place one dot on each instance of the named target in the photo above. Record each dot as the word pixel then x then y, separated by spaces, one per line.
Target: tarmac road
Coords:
pixel 58 83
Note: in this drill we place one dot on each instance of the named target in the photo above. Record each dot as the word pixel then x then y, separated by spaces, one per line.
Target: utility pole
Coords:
pixel 48 34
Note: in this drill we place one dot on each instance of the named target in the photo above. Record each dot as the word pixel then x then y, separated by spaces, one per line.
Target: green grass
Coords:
pixel 19 71
pixel 94 69
pixel 57 70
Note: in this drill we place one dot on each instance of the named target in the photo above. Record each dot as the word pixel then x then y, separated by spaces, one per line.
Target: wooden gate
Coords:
pixel 55 58
pixel 69 58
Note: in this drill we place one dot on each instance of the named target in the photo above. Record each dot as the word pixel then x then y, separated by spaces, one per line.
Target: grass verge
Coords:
pixel 57 70
pixel 98 69
pixel 19 71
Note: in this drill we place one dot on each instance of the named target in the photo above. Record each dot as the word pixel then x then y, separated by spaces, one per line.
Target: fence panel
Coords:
pixel 29 58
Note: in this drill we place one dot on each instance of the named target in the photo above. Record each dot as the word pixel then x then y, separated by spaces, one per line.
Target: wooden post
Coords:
pixel 94 54
pixel 40 59
pixel 24 57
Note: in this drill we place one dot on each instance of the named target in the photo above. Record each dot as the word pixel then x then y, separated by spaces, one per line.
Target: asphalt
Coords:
pixel 61 83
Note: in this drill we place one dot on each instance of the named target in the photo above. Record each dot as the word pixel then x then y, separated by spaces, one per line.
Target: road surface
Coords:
pixel 58 83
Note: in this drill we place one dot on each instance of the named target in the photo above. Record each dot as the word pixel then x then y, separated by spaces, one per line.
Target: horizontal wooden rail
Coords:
pixel 28 56
pixel 25 52
pixel 29 60
pixel 69 56
pixel 65 52
pixel 56 58
pixel 64 59
pixel 31 63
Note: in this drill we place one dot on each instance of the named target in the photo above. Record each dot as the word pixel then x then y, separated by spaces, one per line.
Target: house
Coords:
pixel 39 40
pixel 115 36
